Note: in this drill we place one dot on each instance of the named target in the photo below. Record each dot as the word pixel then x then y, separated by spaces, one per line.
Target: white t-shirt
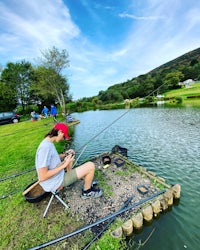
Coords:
pixel 47 156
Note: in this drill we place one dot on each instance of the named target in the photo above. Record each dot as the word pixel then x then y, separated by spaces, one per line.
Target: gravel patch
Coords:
pixel 121 184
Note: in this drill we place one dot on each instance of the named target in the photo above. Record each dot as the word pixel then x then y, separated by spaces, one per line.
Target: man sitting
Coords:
pixel 69 118
pixel 35 116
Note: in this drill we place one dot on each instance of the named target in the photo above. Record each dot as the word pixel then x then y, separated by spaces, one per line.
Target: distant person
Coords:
pixel 69 118
pixel 53 111
pixel 54 174
pixel 45 112
pixel 35 116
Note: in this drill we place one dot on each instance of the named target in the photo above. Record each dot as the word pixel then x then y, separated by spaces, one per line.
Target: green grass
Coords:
pixel 194 90
pixel 22 223
pixel 185 94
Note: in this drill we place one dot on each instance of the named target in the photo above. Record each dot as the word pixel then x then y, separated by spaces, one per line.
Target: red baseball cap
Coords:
pixel 63 127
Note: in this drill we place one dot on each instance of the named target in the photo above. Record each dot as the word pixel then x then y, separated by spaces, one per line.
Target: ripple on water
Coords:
pixel 166 141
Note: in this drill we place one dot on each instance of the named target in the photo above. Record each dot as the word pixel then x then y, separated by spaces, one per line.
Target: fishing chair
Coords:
pixel 55 195
pixel 34 193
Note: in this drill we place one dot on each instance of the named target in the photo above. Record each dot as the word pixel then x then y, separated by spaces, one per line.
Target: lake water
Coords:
pixel 165 141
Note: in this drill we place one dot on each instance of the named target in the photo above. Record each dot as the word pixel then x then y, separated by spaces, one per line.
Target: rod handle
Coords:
pixel 31 187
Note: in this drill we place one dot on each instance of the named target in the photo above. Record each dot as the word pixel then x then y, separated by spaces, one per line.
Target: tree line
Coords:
pixel 168 76
pixel 24 85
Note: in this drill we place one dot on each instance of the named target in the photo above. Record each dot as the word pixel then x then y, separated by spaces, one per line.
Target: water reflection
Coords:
pixel 166 141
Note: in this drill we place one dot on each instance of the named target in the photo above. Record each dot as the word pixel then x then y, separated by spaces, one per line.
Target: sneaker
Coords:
pixel 93 193
pixel 94 183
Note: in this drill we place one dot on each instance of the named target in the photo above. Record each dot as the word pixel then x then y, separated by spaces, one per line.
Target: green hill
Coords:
pixel 167 75
pixel 185 60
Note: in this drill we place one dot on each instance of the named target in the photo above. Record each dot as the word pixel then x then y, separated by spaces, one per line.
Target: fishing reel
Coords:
pixel 70 152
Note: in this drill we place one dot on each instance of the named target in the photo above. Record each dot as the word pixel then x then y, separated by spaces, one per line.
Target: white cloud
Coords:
pixel 40 27
pixel 157 32
pixel 124 15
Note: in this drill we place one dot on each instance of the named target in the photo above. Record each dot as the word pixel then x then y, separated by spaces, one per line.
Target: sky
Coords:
pixel 108 41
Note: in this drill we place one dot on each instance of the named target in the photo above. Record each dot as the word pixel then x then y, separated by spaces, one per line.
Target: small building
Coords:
pixel 160 99
pixel 187 83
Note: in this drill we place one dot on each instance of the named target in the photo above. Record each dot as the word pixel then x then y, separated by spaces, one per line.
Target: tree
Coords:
pixel 54 62
pixel 8 100
pixel 18 77
pixel 55 59
pixel 172 79
pixel 193 62
pixel 50 85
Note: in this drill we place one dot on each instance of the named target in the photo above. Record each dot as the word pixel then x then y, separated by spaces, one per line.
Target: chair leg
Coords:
pixel 51 199
pixel 64 204
pixel 45 212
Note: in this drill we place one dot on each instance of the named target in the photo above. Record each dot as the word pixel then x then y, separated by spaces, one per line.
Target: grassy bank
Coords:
pixel 188 96
pixel 22 224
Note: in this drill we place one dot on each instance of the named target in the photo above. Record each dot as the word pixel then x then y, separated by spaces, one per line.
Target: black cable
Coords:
pixel 97 222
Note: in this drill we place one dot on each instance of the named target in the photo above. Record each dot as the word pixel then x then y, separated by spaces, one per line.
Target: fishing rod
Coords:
pixel 29 170
pixel 109 125
pixel 97 222
pixel 118 118
pixel 108 224
pixel 22 130
pixel 83 147
pixel 11 193
pixel 17 174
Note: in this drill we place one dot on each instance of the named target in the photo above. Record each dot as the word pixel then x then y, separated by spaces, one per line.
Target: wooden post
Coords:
pixel 127 227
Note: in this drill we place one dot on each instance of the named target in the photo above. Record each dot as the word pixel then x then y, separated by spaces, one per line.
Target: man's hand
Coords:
pixel 66 153
pixel 69 161
pixel 69 152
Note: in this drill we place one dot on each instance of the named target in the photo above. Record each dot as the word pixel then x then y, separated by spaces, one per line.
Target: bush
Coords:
pixel 179 99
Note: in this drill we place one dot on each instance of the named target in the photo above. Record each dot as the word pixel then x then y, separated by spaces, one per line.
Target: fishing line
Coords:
pixel 83 147
pixel 118 118
pixel 80 155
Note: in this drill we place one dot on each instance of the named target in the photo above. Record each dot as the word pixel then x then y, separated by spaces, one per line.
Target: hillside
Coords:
pixel 192 92
pixel 185 59
pixel 167 75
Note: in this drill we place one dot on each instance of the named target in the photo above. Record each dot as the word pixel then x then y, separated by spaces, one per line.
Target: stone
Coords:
pixel 163 204
pixel 168 196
